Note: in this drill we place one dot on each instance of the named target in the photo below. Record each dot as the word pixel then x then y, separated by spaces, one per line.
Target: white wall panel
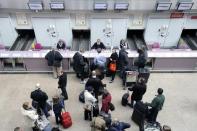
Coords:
pixel 174 32
pixel 97 26
pixel 7 32
pixel 171 34
pixel 190 23
pixel 62 29
pixel 119 30
pixel 152 31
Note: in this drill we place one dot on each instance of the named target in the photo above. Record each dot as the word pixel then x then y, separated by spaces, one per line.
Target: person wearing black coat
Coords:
pixel 61 45
pixel 139 90
pixel 98 44
pixel 113 59
pixel 95 83
pixel 123 62
pixel 41 98
pixel 142 58
pixel 62 84
pixel 79 65
pixel 54 59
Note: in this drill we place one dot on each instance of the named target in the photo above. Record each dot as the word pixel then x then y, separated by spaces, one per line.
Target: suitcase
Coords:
pixel 131 77
pixel 144 73
pixel 125 99
pixel 95 110
pixel 82 97
pixel 66 120
pixel 139 113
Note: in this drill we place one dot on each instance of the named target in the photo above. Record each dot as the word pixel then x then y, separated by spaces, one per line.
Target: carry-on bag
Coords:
pixel 124 100
pixel 66 119
pixel 82 97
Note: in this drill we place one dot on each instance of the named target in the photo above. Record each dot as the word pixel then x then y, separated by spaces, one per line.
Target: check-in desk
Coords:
pixel 160 60
pixel 176 60
pixel 33 61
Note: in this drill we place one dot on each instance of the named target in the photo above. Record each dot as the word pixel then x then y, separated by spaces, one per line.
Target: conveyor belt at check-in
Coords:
pixel 80 43
pixel 190 41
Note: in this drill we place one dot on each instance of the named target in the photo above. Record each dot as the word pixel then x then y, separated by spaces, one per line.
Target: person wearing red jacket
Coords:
pixel 106 100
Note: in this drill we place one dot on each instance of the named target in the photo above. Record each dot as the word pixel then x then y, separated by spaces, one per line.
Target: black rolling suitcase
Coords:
pixel 124 100
pixel 139 113
pixel 144 73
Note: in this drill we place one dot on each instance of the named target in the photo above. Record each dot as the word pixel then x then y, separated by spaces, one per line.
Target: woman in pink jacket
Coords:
pixel 106 100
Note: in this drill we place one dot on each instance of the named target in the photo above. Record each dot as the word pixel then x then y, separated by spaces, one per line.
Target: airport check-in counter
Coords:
pixel 161 60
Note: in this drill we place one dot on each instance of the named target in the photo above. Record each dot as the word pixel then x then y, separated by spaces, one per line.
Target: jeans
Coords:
pixel 58 118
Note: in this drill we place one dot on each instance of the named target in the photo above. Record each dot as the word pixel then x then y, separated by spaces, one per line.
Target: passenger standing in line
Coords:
pixel 54 59
pixel 112 66
pixel 57 109
pixel 106 100
pixel 142 58
pixel 139 90
pixel 95 83
pixel 40 98
pixel 100 64
pixel 62 84
pixel 90 100
pixel 123 61
pixel 98 44
pixel 79 65
pixel 156 104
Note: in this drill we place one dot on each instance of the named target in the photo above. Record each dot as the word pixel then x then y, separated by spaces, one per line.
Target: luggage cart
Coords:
pixel 131 77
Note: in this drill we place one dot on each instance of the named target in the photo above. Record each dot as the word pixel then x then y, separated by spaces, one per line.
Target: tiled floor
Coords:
pixel 179 111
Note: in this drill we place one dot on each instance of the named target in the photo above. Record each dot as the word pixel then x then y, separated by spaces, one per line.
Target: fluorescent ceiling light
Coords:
pixel 57 6
pixel 100 6
pixel 185 5
pixel 121 6
pixel 35 6
pixel 161 6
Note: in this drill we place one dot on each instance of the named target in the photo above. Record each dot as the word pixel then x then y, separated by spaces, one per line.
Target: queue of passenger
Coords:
pixel 101 119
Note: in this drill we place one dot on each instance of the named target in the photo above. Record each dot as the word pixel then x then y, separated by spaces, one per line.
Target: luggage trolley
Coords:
pixel 131 77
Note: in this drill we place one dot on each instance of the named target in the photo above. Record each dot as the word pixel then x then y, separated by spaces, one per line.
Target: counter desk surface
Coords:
pixel 91 54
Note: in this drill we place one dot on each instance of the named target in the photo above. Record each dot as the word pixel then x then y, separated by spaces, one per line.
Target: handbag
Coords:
pixel 112 67
pixel 111 107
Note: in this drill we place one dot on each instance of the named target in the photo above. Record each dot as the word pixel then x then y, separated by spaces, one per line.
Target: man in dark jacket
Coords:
pixel 62 84
pixel 41 98
pixel 95 83
pixel 142 58
pixel 139 90
pixel 79 65
pixel 123 62
pixel 156 105
pixel 98 44
pixel 54 59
